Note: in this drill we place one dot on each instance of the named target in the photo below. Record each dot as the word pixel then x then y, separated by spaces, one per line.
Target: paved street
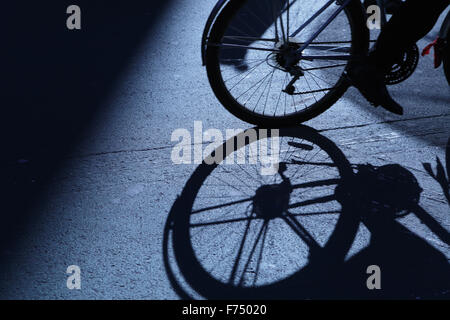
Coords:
pixel 106 206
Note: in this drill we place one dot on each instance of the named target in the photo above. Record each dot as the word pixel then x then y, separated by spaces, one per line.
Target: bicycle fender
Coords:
pixel 214 13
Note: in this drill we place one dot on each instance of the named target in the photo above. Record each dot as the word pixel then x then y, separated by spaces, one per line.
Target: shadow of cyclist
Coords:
pixel 410 266
pixel 376 196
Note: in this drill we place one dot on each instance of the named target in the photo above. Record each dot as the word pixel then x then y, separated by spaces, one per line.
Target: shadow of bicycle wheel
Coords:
pixel 235 233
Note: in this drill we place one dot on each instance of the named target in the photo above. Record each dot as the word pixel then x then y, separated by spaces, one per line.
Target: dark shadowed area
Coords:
pixel 53 83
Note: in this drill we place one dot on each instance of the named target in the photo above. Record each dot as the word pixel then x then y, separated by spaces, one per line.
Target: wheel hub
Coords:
pixel 288 57
pixel 271 201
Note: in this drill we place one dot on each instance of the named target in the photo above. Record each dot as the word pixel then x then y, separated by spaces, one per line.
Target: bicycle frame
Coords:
pixel 319 31
pixel 342 5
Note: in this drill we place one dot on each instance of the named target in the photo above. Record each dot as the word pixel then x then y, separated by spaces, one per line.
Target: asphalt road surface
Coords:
pixel 106 208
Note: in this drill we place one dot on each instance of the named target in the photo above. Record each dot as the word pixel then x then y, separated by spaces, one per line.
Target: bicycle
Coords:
pixel 273 63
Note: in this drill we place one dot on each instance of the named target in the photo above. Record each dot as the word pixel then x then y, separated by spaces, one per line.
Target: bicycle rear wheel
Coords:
pixel 249 58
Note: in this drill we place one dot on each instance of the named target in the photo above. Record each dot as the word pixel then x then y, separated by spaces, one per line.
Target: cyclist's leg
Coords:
pixel 407 26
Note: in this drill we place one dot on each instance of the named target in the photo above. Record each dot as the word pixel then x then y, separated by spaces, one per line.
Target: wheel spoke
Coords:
pixel 222 205
pixel 320 183
pixel 262 234
pixel 301 232
pixel 306 214
pixel 213 223
pixel 239 254
pixel 259 30
pixel 233 45
pixel 317 200
pixel 250 38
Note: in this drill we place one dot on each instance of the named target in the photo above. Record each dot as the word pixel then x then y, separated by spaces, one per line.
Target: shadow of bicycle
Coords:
pixel 242 231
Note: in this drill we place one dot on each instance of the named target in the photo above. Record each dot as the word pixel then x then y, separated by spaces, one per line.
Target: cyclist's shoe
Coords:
pixel 370 82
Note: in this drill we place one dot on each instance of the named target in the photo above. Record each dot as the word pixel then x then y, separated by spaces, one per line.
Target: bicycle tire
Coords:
pixel 360 44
